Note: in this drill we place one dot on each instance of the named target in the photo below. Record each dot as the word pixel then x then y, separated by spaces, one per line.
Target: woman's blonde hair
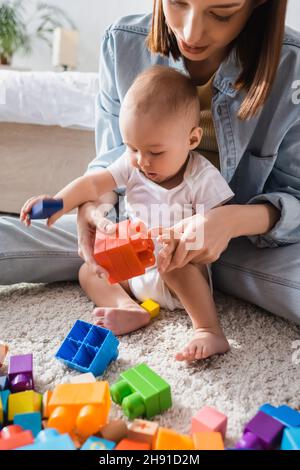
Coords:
pixel 257 50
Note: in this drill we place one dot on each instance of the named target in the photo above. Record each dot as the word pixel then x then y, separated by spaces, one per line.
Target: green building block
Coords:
pixel 141 392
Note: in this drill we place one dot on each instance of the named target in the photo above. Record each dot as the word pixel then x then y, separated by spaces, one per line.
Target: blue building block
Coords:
pixel 95 443
pixel 291 439
pixel 88 348
pixel 3 382
pixel 29 421
pixel 4 399
pixel 50 439
pixel 46 208
pixel 284 414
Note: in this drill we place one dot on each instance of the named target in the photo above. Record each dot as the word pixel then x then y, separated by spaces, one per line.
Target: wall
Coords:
pixel 91 18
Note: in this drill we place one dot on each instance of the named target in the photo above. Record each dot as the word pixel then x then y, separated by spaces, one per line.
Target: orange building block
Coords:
pixel 46 397
pixel 3 352
pixel 12 437
pixel 126 253
pixel 167 439
pixel 82 408
pixel 127 444
pixel 208 441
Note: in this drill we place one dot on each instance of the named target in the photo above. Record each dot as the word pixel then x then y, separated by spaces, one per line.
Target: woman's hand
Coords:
pixel 91 216
pixel 195 239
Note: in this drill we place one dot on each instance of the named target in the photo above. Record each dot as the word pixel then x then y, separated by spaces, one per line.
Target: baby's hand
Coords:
pixel 168 242
pixel 27 207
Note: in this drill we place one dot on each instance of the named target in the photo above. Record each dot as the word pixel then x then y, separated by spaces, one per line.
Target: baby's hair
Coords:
pixel 164 91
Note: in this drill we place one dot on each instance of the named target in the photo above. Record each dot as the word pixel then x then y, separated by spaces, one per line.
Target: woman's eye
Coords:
pixel 176 3
pixel 221 18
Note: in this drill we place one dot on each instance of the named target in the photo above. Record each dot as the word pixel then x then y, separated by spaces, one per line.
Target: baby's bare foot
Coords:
pixel 122 320
pixel 204 344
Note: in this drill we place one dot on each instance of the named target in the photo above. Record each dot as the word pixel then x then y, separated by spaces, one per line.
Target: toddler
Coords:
pixel 163 176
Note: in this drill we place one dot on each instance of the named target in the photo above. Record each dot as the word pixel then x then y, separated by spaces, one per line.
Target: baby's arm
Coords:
pixel 83 189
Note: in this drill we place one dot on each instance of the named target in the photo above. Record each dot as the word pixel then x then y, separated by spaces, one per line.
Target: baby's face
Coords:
pixel 157 147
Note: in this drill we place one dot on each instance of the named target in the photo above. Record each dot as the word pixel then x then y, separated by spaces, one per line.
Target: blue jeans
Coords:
pixel 269 277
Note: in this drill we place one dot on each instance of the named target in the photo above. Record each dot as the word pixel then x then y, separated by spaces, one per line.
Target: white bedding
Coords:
pixel 65 99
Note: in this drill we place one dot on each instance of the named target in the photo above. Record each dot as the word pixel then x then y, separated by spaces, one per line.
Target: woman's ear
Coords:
pixel 195 137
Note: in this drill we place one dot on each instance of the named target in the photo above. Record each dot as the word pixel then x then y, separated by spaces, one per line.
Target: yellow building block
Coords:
pixel 23 402
pixel 151 307
pixel 81 407
pixel 167 439
pixel 142 430
pixel 208 441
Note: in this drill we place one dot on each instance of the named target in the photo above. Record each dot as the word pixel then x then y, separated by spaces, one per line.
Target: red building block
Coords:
pixel 12 437
pixel 126 253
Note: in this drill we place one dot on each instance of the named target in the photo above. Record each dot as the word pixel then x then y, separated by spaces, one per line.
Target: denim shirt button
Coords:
pixel 219 110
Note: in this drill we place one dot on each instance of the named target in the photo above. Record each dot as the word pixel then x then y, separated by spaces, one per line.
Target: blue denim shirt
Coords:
pixel 259 158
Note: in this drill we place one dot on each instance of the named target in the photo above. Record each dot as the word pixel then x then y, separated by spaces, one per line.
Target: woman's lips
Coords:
pixel 192 50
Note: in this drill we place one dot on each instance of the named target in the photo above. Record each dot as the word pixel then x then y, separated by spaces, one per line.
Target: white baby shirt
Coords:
pixel 202 186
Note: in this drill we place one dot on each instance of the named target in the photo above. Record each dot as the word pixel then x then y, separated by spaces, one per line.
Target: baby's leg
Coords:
pixel 190 284
pixel 118 311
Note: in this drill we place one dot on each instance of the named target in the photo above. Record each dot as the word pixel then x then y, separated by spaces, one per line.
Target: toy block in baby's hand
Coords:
pixel 126 253
pixel 45 208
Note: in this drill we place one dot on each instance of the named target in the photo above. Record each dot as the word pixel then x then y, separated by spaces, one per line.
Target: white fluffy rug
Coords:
pixel 258 369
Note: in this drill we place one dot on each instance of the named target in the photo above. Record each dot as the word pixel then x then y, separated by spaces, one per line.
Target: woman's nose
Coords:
pixel 193 29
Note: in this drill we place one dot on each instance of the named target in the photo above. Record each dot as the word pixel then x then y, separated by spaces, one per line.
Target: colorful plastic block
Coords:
pixel 3 352
pixel 208 441
pixel 82 408
pixel 167 439
pixel 50 439
pixel 151 307
pixel 127 444
pixel 284 414
pixel 88 348
pixel 141 392
pixel 12 437
pixel 3 382
pixel 95 443
pixel 115 430
pixel 29 422
pixel 143 431
pixel 4 404
pixel 126 253
pixel 261 431
pixel 209 419
pixel 23 402
pixel 291 439
pixel 1 412
pixel 20 374
pixel 249 441
pixel 82 378
pixel 46 208
pixel 46 398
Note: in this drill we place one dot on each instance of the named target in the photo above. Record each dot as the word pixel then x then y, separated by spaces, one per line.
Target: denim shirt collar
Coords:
pixel 225 77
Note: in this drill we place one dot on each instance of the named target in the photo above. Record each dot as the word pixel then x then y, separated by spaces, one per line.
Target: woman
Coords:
pixel 245 69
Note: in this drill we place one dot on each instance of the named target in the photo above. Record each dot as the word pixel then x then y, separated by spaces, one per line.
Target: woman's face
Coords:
pixel 206 27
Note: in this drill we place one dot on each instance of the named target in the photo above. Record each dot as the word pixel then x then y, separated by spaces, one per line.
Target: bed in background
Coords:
pixel 46 132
